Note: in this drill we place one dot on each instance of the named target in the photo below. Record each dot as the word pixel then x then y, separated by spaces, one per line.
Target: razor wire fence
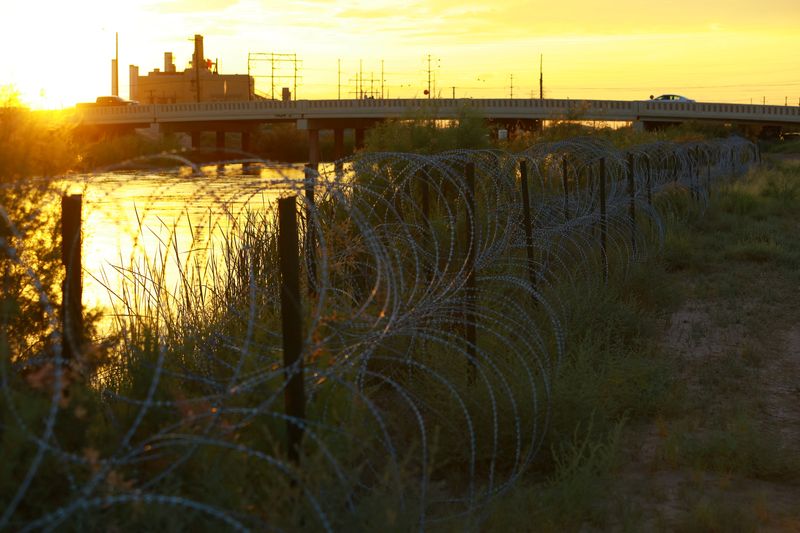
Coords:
pixel 410 291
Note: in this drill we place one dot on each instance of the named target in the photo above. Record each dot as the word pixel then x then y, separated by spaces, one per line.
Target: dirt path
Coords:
pixel 729 458
pixel 780 383
pixel 714 468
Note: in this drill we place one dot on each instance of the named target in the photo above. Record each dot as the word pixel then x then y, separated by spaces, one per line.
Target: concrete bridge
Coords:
pixel 338 115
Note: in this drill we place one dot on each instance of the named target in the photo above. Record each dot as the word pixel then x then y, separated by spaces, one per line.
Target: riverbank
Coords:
pixel 717 450
pixel 423 408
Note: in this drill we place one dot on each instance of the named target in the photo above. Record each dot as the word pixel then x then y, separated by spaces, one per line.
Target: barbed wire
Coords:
pixel 403 256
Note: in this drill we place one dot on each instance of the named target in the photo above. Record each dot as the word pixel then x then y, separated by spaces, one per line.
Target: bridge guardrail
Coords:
pixel 501 108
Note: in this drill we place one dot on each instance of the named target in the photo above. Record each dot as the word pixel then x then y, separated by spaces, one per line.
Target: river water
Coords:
pixel 153 224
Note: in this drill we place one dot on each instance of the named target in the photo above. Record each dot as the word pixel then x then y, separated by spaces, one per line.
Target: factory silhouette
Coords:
pixel 201 82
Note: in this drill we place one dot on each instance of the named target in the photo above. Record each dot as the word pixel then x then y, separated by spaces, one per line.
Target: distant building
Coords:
pixel 194 84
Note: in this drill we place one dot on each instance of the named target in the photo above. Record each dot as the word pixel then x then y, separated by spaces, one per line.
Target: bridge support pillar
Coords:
pixel 245 146
pixel 359 143
pixel 313 147
pixel 195 136
pixel 220 143
pixel 338 143
pixel 338 148
pixel 219 153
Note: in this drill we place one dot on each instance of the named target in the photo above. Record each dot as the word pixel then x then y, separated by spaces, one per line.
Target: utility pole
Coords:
pixel 454 92
pixel 361 78
pixel 541 77
pixel 361 92
pixel 276 61
pixel 429 76
pixel 382 80
pixel 339 79
pixel 511 91
pixel 249 92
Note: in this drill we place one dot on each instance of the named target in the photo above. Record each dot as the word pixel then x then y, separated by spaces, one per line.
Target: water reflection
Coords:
pixel 160 229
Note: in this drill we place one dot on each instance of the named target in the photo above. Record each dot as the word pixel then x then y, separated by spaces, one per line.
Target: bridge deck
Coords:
pixel 381 109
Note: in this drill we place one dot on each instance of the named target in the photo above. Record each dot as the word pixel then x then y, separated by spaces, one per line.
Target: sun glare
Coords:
pixel 59 53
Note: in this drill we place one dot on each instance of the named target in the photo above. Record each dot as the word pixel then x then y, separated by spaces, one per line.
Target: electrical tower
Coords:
pixel 283 69
pixel 366 87
pixel 375 88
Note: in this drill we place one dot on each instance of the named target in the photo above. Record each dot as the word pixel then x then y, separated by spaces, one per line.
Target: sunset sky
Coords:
pixel 57 53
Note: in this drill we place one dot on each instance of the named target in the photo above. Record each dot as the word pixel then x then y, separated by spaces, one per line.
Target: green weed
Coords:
pixel 718 515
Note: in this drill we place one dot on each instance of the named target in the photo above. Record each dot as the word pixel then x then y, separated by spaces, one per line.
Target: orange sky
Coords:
pixel 57 53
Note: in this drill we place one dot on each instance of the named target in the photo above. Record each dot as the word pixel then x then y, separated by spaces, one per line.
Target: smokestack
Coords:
pixel 133 75
pixel 198 60
pixel 169 66
pixel 115 69
pixel 114 78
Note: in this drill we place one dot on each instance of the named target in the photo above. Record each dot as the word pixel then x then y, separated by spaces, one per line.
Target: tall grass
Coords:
pixel 409 423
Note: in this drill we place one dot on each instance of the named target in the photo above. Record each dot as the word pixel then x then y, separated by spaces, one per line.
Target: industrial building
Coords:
pixel 199 83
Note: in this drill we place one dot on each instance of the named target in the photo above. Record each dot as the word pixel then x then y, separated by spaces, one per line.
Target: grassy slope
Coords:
pixel 677 407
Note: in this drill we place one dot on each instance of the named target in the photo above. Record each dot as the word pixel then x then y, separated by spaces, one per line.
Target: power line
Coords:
pixel 276 62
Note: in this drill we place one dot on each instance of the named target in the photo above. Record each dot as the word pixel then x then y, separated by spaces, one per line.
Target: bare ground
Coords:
pixel 666 493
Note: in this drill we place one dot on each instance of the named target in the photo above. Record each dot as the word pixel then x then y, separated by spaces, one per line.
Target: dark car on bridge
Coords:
pixel 670 98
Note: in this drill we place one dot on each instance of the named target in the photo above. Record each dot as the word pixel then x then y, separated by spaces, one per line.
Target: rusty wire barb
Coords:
pixel 429 344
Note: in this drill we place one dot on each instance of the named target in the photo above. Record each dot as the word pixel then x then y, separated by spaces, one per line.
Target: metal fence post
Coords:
pixel 291 324
pixel 695 174
pixel 426 197
pixel 72 287
pixel 310 241
pixel 632 200
pixel 526 219
pixel 566 187
pixel 471 229
pixel 603 217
